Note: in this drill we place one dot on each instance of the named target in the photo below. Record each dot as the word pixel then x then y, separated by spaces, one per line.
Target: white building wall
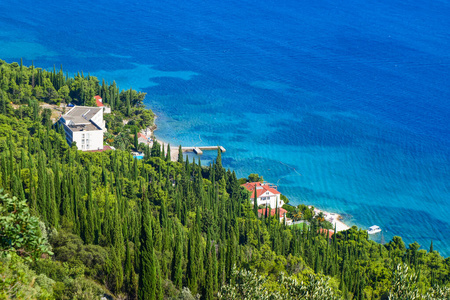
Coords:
pixel 88 140
pixel 98 119
pixel 69 134
pixel 271 199
pixel 142 140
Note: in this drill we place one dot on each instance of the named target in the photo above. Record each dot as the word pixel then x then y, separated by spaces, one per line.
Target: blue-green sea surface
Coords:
pixel 342 104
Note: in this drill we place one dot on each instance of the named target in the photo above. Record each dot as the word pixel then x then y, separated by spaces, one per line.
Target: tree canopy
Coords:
pixel 125 228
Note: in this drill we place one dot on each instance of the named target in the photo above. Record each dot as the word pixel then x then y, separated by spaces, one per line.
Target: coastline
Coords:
pixel 333 218
pixel 149 132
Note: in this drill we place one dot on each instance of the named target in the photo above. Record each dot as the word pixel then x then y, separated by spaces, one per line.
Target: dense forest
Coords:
pixel 85 225
pixel 29 85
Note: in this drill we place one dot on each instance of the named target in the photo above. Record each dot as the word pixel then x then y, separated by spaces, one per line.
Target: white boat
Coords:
pixel 373 229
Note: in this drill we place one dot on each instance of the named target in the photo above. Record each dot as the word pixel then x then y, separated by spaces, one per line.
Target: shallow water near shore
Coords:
pixel 343 105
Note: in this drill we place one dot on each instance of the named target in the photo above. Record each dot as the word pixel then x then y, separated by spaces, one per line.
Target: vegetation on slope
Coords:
pixel 20 84
pixel 114 226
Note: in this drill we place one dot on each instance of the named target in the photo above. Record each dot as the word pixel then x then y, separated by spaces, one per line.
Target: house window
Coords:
pixel 82 135
pixel 82 146
pixel 87 141
pixel 82 141
pixel 87 146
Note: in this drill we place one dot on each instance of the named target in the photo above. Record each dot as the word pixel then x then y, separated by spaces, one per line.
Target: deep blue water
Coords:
pixel 343 104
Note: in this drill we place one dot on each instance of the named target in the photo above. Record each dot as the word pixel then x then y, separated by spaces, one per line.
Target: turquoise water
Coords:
pixel 344 104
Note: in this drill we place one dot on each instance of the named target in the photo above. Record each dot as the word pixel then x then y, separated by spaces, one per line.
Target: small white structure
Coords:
pixel 373 229
pixel 85 126
pixel 266 194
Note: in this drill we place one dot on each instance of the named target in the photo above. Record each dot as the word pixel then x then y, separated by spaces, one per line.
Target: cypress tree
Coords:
pixel 136 142
pixel 135 169
pixel 168 157
pixel 221 274
pixel 115 271
pixel 90 228
pixel 187 166
pixel 57 187
pixel 159 288
pixel 32 74
pixel 193 260
pixel 209 278
pixel 231 254
pixel 52 209
pixel 147 274
pixel 215 267
pixel 32 186
pixel 104 174
pixel 277 215
pixel 255 203
pixel 180 154
pixel 128 102
pixel 177 262
pixel 178 204
pixel 164 214
pixel 157 234
pixel 128 270
pixel 42 191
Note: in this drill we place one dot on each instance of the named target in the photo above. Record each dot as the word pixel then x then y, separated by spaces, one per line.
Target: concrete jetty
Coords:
pixel 199 150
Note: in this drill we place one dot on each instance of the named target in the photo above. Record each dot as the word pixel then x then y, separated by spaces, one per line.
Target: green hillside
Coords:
pixel 86 225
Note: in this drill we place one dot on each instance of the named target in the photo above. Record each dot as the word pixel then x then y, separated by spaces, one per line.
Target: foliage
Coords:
pixel 185 294
pixel 254 178
pixel 115 222
pixel 20 84
pixel 17 281
pixel 20 231
pixel 405 286
pixel 249 285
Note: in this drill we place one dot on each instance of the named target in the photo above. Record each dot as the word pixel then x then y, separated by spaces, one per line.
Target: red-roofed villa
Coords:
pixel 142 138
pixel 99 103
pixel 266 194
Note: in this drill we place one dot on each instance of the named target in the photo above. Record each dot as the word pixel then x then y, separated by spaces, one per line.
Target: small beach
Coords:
pixel 149 133
pixel 333 218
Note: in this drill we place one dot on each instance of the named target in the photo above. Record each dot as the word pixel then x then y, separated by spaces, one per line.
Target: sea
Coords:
pixel 344 105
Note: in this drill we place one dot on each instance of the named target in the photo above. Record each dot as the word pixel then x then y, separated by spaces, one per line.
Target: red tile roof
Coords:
pixel 326 232
pixel 98 101
pixel 141 135
pixel 261 188
pixel 281 212
pixel 105 147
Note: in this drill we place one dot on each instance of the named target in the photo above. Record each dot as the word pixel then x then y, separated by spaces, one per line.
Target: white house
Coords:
pixel 142 138
pixel 85 126
pixel 266 194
